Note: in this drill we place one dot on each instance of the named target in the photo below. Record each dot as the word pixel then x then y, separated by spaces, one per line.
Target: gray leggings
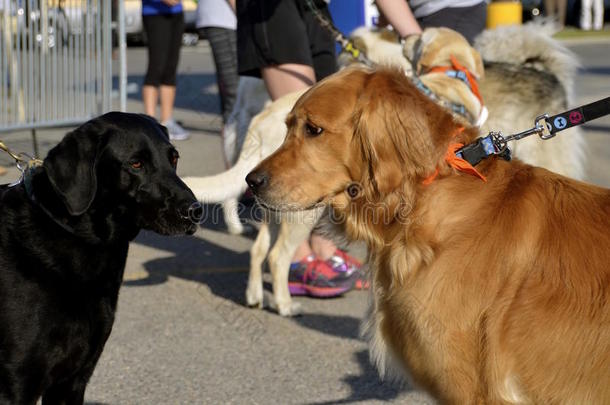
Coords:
pixel 224 48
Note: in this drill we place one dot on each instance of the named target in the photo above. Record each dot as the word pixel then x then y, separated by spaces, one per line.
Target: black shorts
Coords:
pixel 274 32
pixel 164 33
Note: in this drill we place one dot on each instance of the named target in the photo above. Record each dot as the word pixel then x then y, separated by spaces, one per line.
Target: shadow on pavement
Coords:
pixel 223 270
pixel 340 326
pixel 367 386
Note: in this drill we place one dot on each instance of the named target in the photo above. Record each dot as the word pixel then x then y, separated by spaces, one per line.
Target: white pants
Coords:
pixel 598 14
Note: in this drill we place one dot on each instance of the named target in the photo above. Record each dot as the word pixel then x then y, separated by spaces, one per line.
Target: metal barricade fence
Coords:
pixel 55 62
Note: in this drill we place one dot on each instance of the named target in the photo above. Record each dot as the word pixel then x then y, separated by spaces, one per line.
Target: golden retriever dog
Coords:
pixel 489 287
pixel 513 93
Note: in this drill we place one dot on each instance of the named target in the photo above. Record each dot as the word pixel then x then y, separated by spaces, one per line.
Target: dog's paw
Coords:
pixel 254 296
pixel 290 309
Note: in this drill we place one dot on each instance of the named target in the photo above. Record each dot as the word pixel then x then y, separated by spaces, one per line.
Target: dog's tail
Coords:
pixel 258 145
pixel 531 45
pixel 230 183
pixel 219 187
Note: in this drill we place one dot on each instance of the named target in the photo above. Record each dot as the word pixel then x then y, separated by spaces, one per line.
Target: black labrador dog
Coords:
pixel 64 234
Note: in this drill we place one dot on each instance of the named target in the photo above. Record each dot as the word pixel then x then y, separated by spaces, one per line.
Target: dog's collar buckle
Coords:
pixel 491 145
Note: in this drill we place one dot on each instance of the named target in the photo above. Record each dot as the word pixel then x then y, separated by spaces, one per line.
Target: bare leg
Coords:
pixel 323 248
pixel 287 78
pixel 168 95
pixel 150 96
pixel 562 5
pixel 303 250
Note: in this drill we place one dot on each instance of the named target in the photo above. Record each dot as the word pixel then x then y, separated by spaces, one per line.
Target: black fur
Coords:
pixel 63 246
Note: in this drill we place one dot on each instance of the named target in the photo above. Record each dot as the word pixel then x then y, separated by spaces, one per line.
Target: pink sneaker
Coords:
pixel 341 261
pixel 317 278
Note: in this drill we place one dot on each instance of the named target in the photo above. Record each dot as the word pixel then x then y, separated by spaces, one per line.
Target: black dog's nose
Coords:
pixel 257 180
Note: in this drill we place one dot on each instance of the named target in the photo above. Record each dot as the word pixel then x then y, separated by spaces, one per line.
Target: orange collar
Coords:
pixel 456 162
pixel 457 67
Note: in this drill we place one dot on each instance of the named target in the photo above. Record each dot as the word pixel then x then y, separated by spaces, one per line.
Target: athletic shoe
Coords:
pixel 316 278
pixel 341 261
pixel 176 132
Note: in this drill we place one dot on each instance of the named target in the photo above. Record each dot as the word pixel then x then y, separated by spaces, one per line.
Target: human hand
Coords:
pixel 171 3
pixel 398 14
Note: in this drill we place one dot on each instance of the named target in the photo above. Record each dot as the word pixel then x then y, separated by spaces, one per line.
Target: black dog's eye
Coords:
pixel 312 130
pixel 174 161
pixel 136 165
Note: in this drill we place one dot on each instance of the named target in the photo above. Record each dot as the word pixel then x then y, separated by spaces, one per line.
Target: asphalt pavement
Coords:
pixel 182 333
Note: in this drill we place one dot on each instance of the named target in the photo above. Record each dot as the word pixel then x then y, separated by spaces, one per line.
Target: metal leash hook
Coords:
pixel 23 161
pixel 540 128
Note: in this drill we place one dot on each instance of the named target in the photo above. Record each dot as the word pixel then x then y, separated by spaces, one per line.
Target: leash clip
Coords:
pixel 545 130
pixel 540 128
pixel 23 161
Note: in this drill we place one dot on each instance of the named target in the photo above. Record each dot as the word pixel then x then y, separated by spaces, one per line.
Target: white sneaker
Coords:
pixel 176 132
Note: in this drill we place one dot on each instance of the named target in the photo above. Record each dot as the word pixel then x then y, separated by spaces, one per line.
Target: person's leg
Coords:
pixel 168 96
pixel 562 5
pixel 287 78
pixel 172 44
pixel 598 14
pixel 223 42
pixel 150 93
pixel 550 8
pixel 323 248
pixel 150 97
pixel 585 14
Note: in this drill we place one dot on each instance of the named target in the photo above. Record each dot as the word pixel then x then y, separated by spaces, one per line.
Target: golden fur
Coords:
pixel 485 292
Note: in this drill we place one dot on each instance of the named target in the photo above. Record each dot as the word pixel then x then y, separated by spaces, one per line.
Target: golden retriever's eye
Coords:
pixel 136 165
pixel 312 130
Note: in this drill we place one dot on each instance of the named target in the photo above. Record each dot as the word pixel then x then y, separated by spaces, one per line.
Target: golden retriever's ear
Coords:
pixel 401 133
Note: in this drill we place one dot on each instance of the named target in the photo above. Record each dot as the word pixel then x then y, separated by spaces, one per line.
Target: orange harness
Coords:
pixel 456 67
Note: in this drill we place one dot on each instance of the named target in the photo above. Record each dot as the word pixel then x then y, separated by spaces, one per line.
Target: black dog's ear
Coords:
pixel 154 120
pixel 71 165
pixel 164 129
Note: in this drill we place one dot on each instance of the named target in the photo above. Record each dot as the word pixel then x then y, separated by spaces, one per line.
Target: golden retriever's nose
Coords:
pixel 257 180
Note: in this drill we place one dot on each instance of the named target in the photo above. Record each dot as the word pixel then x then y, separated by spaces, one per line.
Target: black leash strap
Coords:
pixel 345 43
pixel 578 116
pixel 495 144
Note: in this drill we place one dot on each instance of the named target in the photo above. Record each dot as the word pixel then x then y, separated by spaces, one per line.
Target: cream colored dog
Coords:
pixel 513 91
